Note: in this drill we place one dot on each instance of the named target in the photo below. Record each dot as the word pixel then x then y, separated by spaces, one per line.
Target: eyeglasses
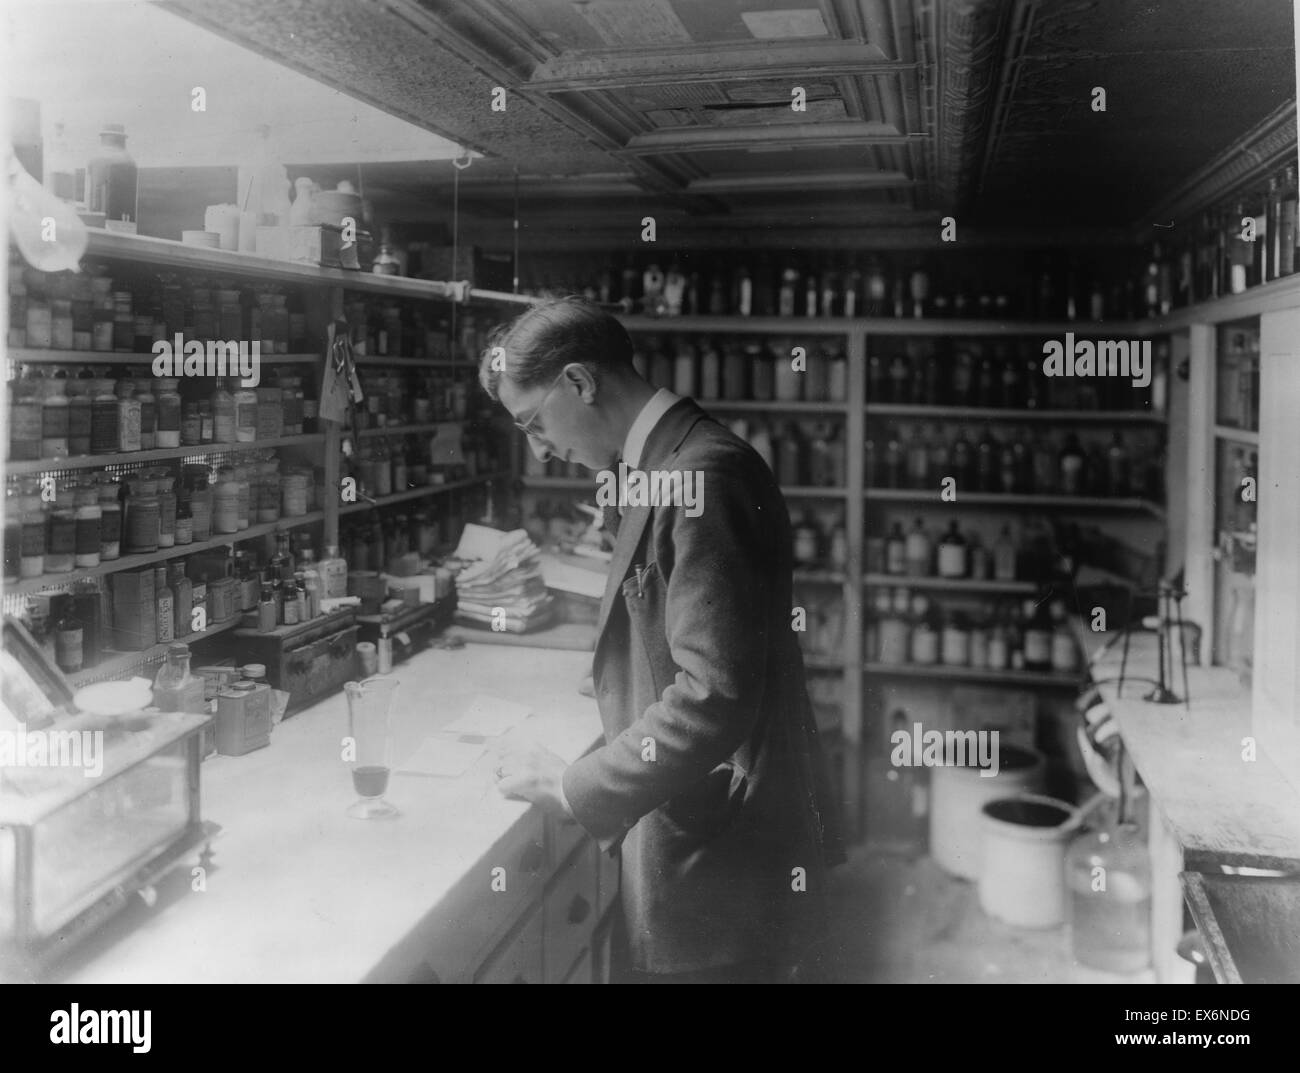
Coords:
pixel 526 426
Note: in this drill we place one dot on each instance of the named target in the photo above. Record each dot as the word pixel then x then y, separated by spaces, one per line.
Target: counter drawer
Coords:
pixel 570 913
pixel 519 960
pixel 462 929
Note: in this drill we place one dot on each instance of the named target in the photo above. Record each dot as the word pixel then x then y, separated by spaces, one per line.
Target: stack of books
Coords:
pixel 499 585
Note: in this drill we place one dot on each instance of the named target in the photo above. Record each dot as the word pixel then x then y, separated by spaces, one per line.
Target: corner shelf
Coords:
pixel 942 672
pixel 159 454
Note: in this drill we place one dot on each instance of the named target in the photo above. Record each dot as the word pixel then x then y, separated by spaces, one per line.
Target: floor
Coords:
pixel 900 920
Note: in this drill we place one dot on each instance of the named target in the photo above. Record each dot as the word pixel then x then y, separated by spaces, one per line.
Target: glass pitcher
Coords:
pixel 370 756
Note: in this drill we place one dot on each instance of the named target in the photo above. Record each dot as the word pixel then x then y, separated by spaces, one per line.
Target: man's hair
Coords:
pixel 542 340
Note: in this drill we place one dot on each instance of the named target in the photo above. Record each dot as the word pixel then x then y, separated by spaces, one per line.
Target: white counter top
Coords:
pixel 299 892
pixel 1221 807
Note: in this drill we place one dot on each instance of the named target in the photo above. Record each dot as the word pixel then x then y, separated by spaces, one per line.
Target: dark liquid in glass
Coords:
pixel 370 780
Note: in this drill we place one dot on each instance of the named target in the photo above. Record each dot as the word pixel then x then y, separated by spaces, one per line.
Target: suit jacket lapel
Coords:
pixel 660 451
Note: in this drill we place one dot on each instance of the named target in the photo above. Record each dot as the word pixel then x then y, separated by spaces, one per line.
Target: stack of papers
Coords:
pixel 500 585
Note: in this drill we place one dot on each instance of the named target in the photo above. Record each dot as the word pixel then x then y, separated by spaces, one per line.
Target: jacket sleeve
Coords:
pixel 717 618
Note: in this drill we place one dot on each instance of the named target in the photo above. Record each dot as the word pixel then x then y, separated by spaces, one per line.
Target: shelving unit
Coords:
pixel 325 302
pixel 136 562
pixel 974 674
pixel 116 663
pixel 126 357
pixel 977 413
pixel 945 584
pixel 160 454
pixel 1009 501
pixel 403 430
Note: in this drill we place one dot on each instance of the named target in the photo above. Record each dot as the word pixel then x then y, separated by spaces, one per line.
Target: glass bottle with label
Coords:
pixel 176 689
pixel 1036 635
pixel 165 610
pixel 952 553
pixel 111 179
pixel 128 416
pixel 896 551
pixel 918 551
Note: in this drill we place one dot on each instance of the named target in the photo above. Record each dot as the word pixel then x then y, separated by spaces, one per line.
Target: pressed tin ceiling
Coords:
pixel 682 108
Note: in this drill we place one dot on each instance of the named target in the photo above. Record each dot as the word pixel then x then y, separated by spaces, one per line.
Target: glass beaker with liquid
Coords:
pixel 1108 874
pixel 370 728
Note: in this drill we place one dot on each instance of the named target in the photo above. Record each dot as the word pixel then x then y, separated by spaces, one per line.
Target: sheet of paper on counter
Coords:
pixel 441 757
pixel 488 717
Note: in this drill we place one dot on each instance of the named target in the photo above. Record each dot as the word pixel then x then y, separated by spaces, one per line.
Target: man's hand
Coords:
pixel 534 774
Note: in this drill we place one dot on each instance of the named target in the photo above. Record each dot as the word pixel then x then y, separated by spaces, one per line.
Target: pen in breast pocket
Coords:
pixel 640 581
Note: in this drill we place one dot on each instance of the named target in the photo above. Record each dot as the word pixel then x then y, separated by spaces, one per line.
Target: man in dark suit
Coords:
pixel 711 776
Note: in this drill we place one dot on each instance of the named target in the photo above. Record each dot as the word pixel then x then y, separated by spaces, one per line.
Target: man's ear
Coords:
pixel 585 381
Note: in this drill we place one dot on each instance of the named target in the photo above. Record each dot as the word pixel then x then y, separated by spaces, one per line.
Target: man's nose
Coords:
pixel 540 450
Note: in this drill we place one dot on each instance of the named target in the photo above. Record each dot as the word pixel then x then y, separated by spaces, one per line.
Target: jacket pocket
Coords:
pixel 645 596
pixel 710 806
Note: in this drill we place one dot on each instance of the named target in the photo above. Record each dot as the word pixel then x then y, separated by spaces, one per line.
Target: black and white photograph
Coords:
pixel 795 492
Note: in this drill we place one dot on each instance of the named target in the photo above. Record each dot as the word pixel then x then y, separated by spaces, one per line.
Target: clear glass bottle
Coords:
pixel 223 414
pixel 54 419
pixel 245 399
pixel 333 570
pixel 918 551
pixel 182 598
pixel 111 177
pixel 168 432
pixel 165 605
pixel 128 416
pixel 148 413
pixel 34 535
pixel 89 524
pixel 61 540
pixel 1108 874
pixel 952 553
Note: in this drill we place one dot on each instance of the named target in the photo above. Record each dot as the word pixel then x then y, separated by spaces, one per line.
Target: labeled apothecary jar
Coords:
pixel 142 521
pixel 89 519
pixel 108 493
pixel 294 498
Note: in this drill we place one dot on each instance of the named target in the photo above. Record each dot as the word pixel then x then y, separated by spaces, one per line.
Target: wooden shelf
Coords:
pixel 946 584
pixel 1267 298
pixel 810 492
pixel 414 363
pixel 804 575
pixel 839 409
pixel 583 484
pixel 1240 435
pixel 421 493
pixel 589 484
pixel 116 662
pixel 136 562
pixel 998 499
pixel 403 430
pixel 822 663
pixel 976 413
pixel 166 252
pixel 160 454
pixel 975 674
pixel 114 357
pixel 423 363
pixel 794 326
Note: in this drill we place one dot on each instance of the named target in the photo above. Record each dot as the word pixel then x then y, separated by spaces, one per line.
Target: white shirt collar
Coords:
pixel 651 414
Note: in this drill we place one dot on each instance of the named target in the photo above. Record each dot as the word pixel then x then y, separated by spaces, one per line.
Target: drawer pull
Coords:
pixel 579 909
